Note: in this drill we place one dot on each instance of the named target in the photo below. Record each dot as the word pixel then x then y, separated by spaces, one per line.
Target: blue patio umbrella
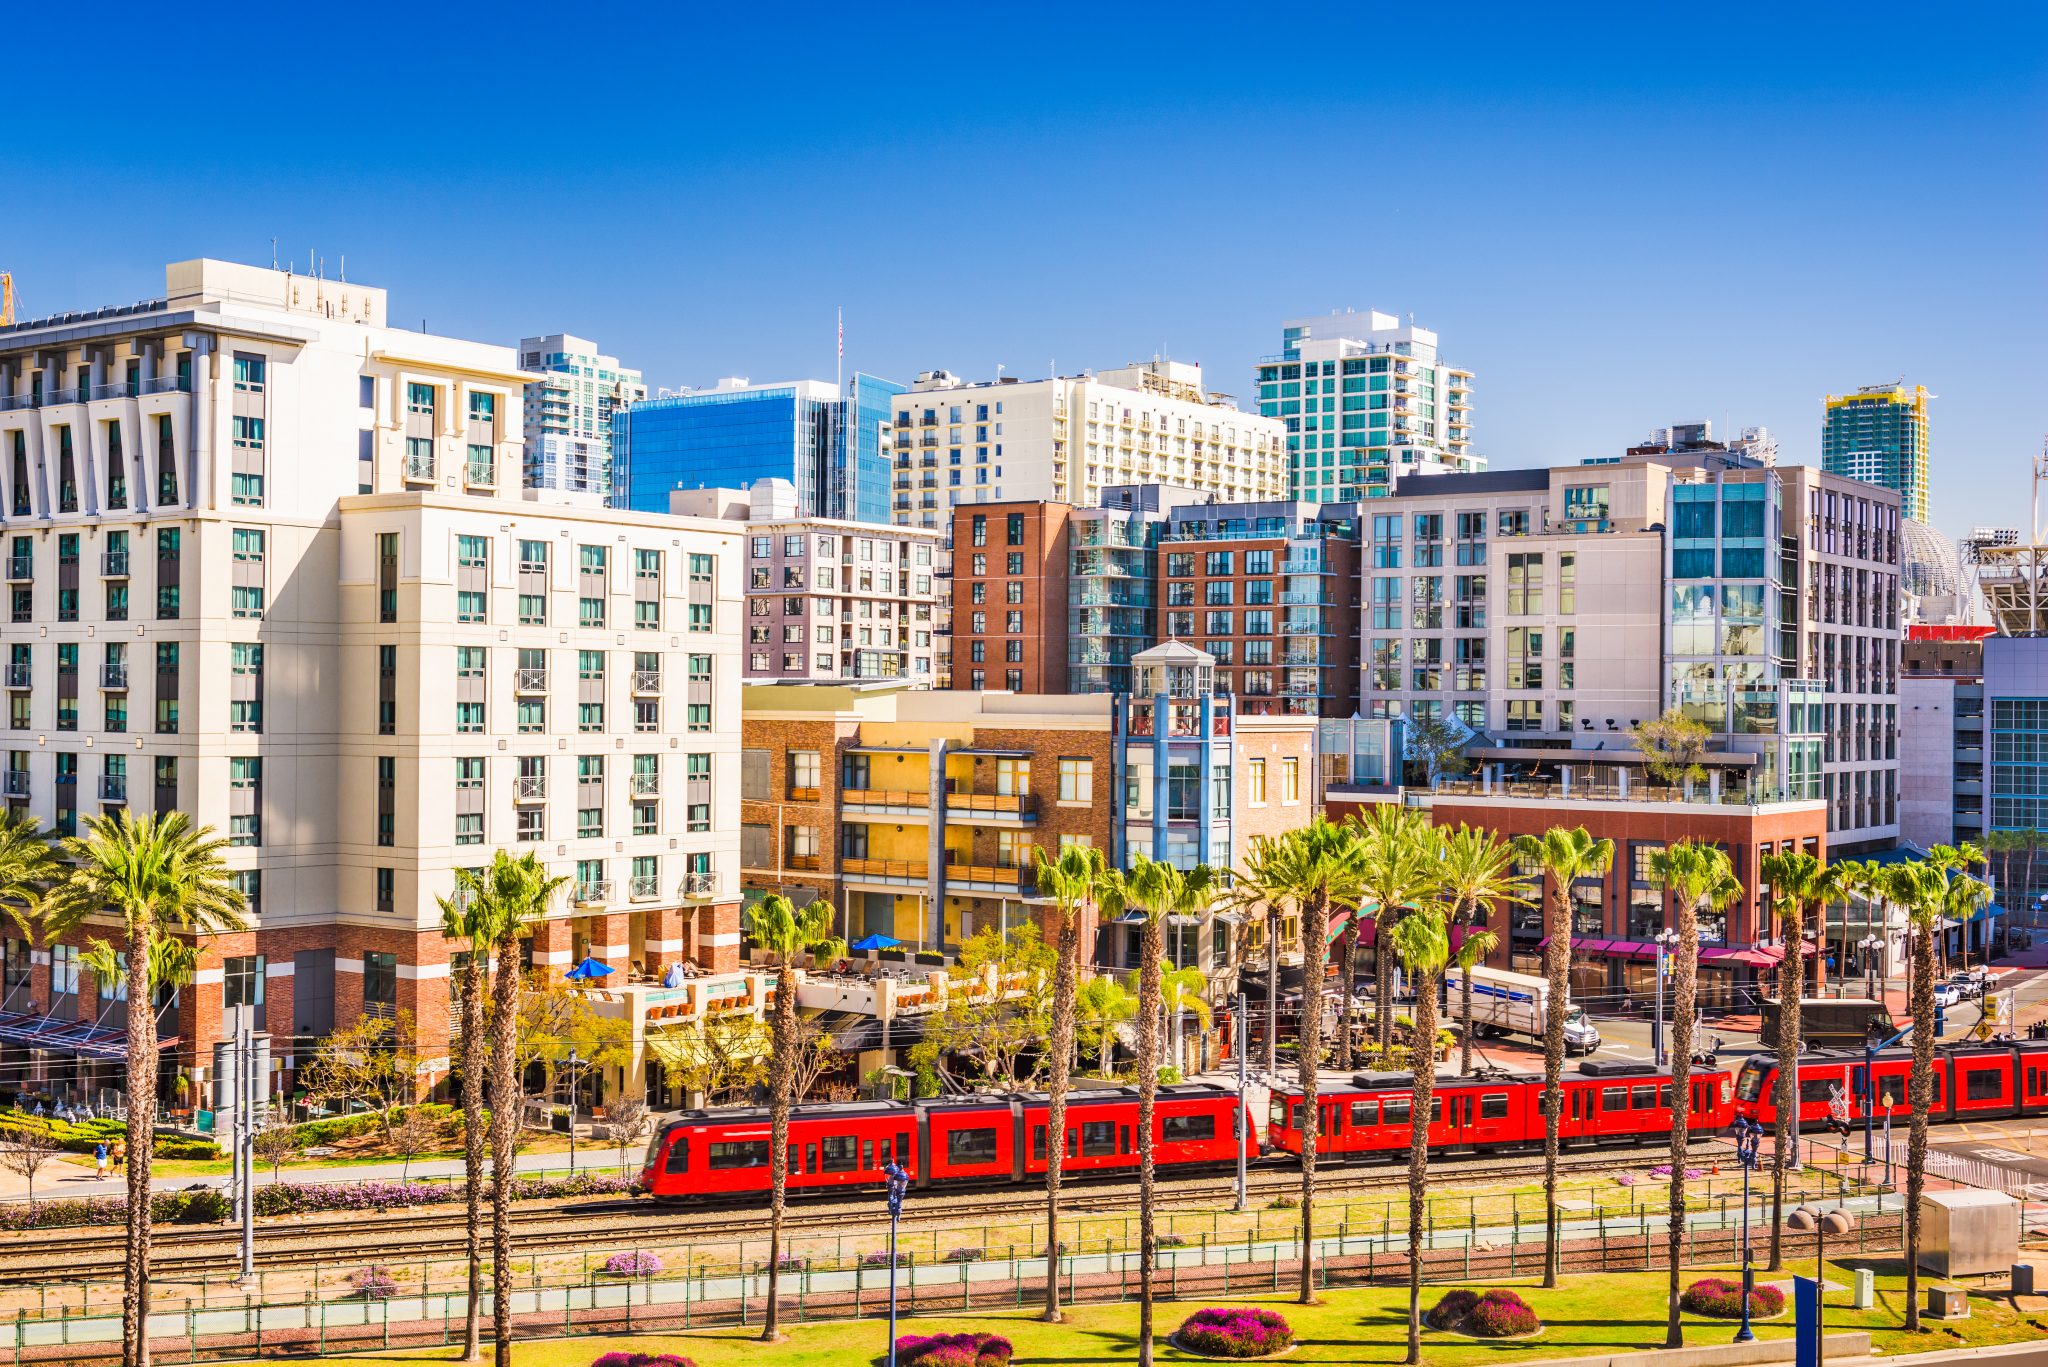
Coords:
pixel 877 942
pixel 590 968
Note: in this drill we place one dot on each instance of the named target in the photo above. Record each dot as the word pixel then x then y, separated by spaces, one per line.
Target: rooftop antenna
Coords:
pixel 273 253
pixel 344 268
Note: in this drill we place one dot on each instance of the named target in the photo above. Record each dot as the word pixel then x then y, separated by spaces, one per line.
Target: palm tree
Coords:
pixel 1797 880
pixel 1263 882
pixel 1475 873
pixel 1423 943
pixel 778 926
pixel 1692 872
pixel 1321 865
pixel 1923 890
pixel 1069 880
pixel 469 917
pixel 1953 859
pixel 1567 856
pixel 161 877
pixel 27 868
pixel 1398 866
pixel 1160 893
pixel 1100 1007
pixel 517 894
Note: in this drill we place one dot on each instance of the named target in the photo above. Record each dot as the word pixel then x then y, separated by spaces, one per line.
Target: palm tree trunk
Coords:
pixel 474 1058
pixel 1791 983
pixel 1148 1090
pixel 1066 977
pixel 1347 975
pixel 778 1137
pixel 505 1102
pixel 1383 982
pixel 1465 1009
pixel 141 1130
pixel 1315 929
pixel 1418 1152
pixel 1921 1102
pixel 1557 951
pixel 1273 990
pixel 1683 984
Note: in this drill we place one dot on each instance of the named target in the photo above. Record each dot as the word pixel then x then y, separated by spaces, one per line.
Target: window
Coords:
pixel 380 978
pixel 1077 780
pixel 242 981
pixel 1255 780
pixel 1984 1084
pixel 965 1147
pixel 1290 779
pixel 1098 1138
pixel 838 1153
pixel 1187 1129
pixel 1494 1107
pixel 1014 529
pixel 1365 1113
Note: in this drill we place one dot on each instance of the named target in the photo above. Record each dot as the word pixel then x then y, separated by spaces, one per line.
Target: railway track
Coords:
pixel 608 1226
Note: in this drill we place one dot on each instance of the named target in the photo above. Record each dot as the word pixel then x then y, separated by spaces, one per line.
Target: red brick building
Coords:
pixel 1010 564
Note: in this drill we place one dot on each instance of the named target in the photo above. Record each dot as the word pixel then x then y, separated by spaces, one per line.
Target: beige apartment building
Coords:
pixel 269 562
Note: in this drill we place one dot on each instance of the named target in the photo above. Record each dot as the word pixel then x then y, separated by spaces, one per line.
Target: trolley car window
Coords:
pixel 971 1146
pixel 1038 1143
pixel 867 1155
pixel 1750 1086
pixel 1493 1107
pixel 678 1156
pixel 839 1153
pixel 1984 1084
pixel 903 1149
pixel 1664 1096
pixel 1395 1110
pixel 1098 1139
pixel 1817 1088
pixel 1645 1098
pixel 742 1154
pixel 1614 1098
pixel 1365 1112
pixel 1187 1129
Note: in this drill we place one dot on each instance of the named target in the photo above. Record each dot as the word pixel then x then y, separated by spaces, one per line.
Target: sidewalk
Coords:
pixel 65 1181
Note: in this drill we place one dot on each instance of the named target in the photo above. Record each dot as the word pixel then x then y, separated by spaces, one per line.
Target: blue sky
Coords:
pixel 1618 216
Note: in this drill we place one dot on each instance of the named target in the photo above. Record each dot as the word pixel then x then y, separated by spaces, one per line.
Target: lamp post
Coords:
pixel 1749 1137
pixel 1244 1118
pixel 899 1182
pixel 1871 945
pixel 1665 940
pixel 1822 1223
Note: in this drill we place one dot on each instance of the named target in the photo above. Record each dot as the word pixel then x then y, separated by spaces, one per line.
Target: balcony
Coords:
pixel 10 402
pixel 889 870
pixel 595 893
pixel 480 474
pixel 1310 596
pixel 530 788
pixel 1008 880
pixel 114 564
pixel 802 863
pixel 20 567
pixel 168 384
pixel 799 794
pixel 113 787
pixel 699 886
pixel 1001 806
pixel 530 680
pixel 901 801
pixel 113 676
pixel 643 887
pixel 646 785
pixel 420 468
pixel 18 675
pixel 14 783
pixel 56 396
pixel 645 682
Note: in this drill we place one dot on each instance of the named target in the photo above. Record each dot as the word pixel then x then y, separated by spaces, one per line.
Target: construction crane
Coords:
pixel 6 299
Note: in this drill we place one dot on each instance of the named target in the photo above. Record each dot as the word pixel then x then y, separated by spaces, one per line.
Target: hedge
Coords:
pixel 87 1135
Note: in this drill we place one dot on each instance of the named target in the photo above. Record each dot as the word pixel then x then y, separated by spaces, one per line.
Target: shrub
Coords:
pixel 625 1359
pixel 1720 1299
pixel 963 1255
pixel 203 1150
pixel 1234 1332
pixel 1501 1314
pixel 634 1264
pixel 1169 1241
pixel 373 1284
pixel 1450 1311
pixel 1284 1203
pixel 952 1350
pixel 789 1262
pixel 881 1259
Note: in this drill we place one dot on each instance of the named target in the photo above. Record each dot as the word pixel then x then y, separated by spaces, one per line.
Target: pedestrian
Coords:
pixel 99 1158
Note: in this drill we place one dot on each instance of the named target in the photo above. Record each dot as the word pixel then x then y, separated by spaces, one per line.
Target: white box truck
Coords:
pixel 1505 1003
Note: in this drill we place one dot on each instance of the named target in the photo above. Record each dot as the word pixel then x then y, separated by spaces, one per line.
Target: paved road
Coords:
pixel 63 1181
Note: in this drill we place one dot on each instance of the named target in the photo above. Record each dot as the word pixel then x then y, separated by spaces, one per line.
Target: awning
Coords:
pixel 886 750
pixel 1772 954
pixel 1755 958
pixel 988 752
pixel 852 1033
pixel 82 1038
pixel 1614 949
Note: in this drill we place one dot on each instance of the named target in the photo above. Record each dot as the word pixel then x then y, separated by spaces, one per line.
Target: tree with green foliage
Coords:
pixel 1068 880
pixel 1423 942
pixel 1672 746
pixel 1101 1007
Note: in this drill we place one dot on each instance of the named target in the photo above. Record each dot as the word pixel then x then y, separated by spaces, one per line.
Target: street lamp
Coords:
pixel 1749 1138
pixel 1665 940
pixel 1871 945
pixel 1822 1223
pixel 899 1182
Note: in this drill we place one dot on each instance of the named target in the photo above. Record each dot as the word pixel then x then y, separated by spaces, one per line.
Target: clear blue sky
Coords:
pixel 1618 216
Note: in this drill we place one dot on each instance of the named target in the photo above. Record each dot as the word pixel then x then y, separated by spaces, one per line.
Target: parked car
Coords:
pixel 1945 994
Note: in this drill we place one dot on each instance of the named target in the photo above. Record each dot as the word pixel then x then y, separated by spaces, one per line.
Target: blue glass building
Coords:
pixel 828 445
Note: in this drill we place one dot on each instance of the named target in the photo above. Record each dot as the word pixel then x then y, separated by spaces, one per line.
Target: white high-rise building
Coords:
pixel 268 562
pixel 1366 400
pixel 569 413
pixel 1066 439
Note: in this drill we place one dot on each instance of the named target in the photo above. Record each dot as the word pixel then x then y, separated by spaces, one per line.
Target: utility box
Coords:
pixel 2022 1279
pixel 1866 1288
pixel 1968 1233
pixel 1948 1303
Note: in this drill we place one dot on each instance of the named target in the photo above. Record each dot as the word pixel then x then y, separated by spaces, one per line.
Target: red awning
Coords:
pixel 1755 958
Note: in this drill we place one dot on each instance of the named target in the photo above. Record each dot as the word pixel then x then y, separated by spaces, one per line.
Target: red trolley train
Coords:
pixel 1971 1082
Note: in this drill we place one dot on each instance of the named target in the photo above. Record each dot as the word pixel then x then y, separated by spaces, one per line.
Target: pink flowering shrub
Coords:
pixel 1451 1310
pixel 625 1359
pixel 953 1350
pixel 1723 1299
pixel 634 1264
pixel 1501 1314
pixel 373 1284
pixel 1234 1332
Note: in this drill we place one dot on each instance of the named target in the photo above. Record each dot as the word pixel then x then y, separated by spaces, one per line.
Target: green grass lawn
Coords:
pixel 1588 1314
